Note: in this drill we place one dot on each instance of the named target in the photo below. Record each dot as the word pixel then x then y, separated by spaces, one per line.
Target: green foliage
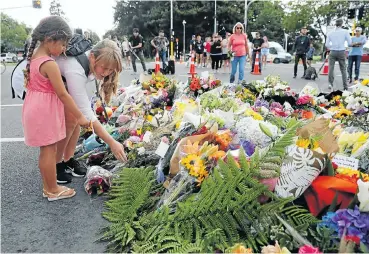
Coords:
pixel 130 195
pixel 13 34
pixel 264 16
pixel 226 211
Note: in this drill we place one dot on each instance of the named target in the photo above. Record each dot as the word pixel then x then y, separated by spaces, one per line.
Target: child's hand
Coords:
pixel 82 121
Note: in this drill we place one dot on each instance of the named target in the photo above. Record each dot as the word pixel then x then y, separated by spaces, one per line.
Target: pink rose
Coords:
pixel 205 86
pixel 165 140
pixel 309 249
pixel 123 119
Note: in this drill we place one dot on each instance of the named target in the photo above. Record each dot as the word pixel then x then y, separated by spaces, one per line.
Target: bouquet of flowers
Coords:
pixel 357 101
pixel 98 180
pixel 199 85
pixel 350 221
pixel 231 54
pixel 249 129
pixel 349 143
pixel 157 81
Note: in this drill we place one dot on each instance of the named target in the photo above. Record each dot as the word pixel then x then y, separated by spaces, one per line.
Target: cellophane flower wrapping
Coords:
pixel 98 180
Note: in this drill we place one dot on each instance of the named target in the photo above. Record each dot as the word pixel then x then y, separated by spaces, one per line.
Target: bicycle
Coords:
pixel 3 67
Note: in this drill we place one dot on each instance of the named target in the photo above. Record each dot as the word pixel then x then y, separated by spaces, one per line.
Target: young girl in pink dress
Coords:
pixel 43 110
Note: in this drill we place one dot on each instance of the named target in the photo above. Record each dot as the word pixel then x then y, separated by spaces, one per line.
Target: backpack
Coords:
pixel 77 47
pixel 311 73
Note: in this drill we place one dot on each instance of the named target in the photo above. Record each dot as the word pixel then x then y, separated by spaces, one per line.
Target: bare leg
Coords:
pixel 47 165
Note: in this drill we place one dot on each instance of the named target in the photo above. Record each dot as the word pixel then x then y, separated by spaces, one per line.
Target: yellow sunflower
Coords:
pixel 342 113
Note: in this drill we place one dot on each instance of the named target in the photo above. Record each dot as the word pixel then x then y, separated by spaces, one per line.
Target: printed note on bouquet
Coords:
pixel 346 162
pixel 162 149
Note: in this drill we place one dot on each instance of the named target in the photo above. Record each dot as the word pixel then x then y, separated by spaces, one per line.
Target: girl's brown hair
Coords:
pixel 50 28
pixel 108 52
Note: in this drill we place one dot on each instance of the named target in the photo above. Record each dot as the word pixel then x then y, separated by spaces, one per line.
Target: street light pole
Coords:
pixel 247 5
pixel 171 30
pixel 215 17
pixel 184 38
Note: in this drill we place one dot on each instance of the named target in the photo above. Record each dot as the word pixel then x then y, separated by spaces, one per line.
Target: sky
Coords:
pixel 97 15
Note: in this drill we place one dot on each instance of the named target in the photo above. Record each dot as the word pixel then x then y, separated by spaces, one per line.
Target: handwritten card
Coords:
pixel 346 162
pixel 162 149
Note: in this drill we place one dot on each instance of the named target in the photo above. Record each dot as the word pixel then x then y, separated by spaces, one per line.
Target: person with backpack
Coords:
pixel 46 101
pixel 238 44
pixel 310 54
pixel 104 63
pixel 136 43
pixel 302 45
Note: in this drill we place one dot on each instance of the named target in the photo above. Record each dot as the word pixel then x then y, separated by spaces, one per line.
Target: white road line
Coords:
pixel 9 140
pixel 12 105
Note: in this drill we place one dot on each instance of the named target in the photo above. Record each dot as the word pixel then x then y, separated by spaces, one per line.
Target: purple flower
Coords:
pixel 261 103
pixel 276 105
pixel 248 146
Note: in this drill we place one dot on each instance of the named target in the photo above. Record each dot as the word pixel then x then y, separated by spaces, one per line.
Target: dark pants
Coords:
pixel 142 59
pixel 253 60
pixel 297 59
pixel 215 61
pixel 351 60
pixel 339 56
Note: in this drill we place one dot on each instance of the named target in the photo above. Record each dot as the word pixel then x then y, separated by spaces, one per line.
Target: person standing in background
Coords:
pixel 336 45
pixel 160 43
pixel 264 51
pixel 199 50
pixel 136 47
pixel 125 51
pixel 207 51
pixel 256 48
pixel 192 44
pixel 216 53
pixel 302 45
pixel 238 43
pixel 355 54
pixel 225 57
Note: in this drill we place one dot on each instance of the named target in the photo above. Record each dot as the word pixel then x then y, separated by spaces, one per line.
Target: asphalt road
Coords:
pixel 29 223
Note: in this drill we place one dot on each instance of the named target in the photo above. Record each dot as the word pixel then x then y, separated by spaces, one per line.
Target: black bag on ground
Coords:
pixel 171 66
pixel 310 73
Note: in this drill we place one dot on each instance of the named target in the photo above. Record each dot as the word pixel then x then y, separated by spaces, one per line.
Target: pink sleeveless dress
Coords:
pixel 43 112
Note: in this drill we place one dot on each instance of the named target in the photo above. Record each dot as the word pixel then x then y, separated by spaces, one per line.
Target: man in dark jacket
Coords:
pixel 302 45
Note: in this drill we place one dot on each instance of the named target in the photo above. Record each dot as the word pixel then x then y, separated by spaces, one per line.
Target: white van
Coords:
pixel 277 54
pixel 8 58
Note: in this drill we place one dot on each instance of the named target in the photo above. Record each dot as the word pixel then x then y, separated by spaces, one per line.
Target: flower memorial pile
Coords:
pixel 247 168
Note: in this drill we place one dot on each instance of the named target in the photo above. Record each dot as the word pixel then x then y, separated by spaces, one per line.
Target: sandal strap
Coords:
pixel 59 194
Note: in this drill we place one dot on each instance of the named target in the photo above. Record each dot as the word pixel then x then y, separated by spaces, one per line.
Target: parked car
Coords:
pixel 9 58
pixel 277 54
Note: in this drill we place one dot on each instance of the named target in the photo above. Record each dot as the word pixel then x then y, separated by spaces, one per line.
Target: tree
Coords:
pixel 13 34
pixel 56 9
pixel 151 16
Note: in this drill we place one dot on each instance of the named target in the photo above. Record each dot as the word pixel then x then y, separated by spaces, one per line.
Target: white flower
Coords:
pixel 363 195
pixel 264 110
pixel 141 150
pixel 248 129
pixel 346 93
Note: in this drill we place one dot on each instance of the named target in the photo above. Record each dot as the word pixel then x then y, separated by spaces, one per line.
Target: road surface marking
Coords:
pixel 8 140
pixel 12 105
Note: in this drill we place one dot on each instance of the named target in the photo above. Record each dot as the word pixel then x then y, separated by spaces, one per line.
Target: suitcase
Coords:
pixel 171 67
